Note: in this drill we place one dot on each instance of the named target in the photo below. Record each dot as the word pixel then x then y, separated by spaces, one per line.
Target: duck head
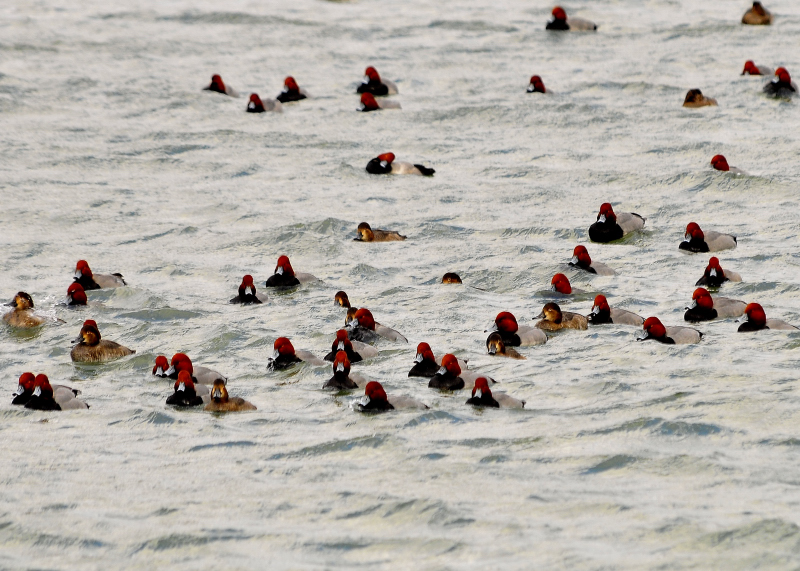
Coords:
pixel 184 384
pixel 21 301
pixel 363 318
pixel 505 322
pixel 580 257
pixel 76 294
pixel 341 365
pixel 754 316
pixel 82 270
pixel 449 366
pixel 424 353
pixel 284 267
pixel 290 85
pixel 701 298
pixel 364 233
pixel 161 366
pixel 342 342
pixel 720 163
pixel 26 383
pixel 219 393
pixel 606 214
pixel 368 103
pixel 536 85
pixel 693 233
pixel 341 299
pixel 451 278
pixel 560 283
pixel 90 334
pixel 551 312
pixel 652 328
pixel 495 345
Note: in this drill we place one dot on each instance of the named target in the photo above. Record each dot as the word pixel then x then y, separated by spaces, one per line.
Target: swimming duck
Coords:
pixel 783 87
pixel 561 22
pixel 385 164
pixel 752 69
pixel 161 367
pixel 186 393
pixel 652 328
pixel 285 356
pixel 356 352
pixel 44 398
pixel 221 402
pixel 611 226
pixel 373 84
pixel 375 399
pixel 448 377
pixel 536 85
pixel 218 86
pixel 291 91
pixel 582 260
pixel 341 299
pixel 715 276
pixel 495 346
pixel 365 233
pixel 181 361
pixel 451 278
pixel 513 335
pixel 720 163
pixel 285 276
pixel 22 315
pixel 560 284
pixel 757 16
pixel 705 307
pixel 88 280
pixel 425 364
pixel 695 98
pixel 247 293
pixel 342 377
pixel 256 105
pixel 76 295
pixel 602 313
pixel 553 319
pixel 695 240
pixel 26 386
pixel 482 396
pixel 754 319
pixel 91 348
pixel 364 328
pixel 369 103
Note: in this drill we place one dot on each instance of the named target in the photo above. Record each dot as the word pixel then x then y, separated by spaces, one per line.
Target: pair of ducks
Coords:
pixel 36 393
pixel 283 276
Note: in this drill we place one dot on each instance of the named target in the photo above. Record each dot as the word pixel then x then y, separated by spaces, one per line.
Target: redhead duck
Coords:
pixel 715 276
pixel 652 328
pixel 221 402
pixel 754 319
pixel 611 226
pixel 374 85
pixel 218 86
pixel 553 319
pixel 720 163
pixel 496 347
pixel 695 240
pixel 482 396
pixel 783 86
pixel 256 105
pixel 448 377
pixel 285 356
pixel 451 278
pixel 513 335
pixel 291 91
pixel 560 284
pixel 44 398
pixel 752 69
pixel 706 307
pixel 76 295
pixel 364 328
pixel 536 85
pixel 561 22
pixel 180 362
pixel 341 299
pixel 385 164
pixel 342 378
pixel 375 399
pixel 582 260
pixel 356 352
pixel 88 280
pixel 757 16
pixel 285 276
pixel 185 392
pixel 365 233
pixel 695 98
pixel 369 103
pixel 91 348
pixel 161 367
pixel 426 365
pixel 26 386
pixel 247 293
pixel 22 315
pixel 602 313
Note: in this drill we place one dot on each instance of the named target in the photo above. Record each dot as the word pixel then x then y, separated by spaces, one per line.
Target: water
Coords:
pixel 628 455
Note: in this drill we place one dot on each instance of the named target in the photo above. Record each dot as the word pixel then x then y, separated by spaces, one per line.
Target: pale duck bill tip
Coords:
pixel 169 371
pixel 217 394
pixel 492 350
pixel 491 329
pixel 159 372
pixel 181 387
pixel 687 237
pixel 364 400
pixel 595 310
pixel 340 367
pixel 37 392
pixel 249 290
pixel 602 218
pixel 365 81
pixel 19 391
pixel 441 371
pixel 478 393
pixel 78 274
pixel 279 271
pixel 353 323
pixel 642 335
pixel 340 346
pixel 574 260
pixel 713 272
pixel 275 354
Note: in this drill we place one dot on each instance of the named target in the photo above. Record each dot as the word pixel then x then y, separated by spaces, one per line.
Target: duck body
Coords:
pixel 710 241
pixel 781 89
pixel 496 346
pixel 22 316
pixel 385 164
pixel 597 268
pixel 611 226
pixel 652 329
pixel 89 280
pixel 291 91
pixel 569 321
pixel 247 294
pixel 706 307
pixel 375 85
pixel 563 23
pixel 755 319
pixel 44 397
pixel 482 396
pixel 695 98
pixel 356 352
pixel 757 16
pixel 222 402
pixel 616 316
pixel 104 350
pixel 365 233
pixel 219 86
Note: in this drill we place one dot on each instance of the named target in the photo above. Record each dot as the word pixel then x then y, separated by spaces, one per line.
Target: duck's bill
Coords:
pixel 491 329
pixel 601 219
pixel 19 391
pixel 418 358
pixel 642 335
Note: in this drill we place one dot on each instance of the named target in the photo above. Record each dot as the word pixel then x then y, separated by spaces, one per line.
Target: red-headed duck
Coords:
pixel 222 402
pixel 161 367
pixel 27 382
pixel 652 328
pixel 611 226
pixel 291 91
pixel 553 319
pixel 695 240
pixel 715 276
pixel 561 22
pixel 482 396
pixel 374 85
pixel 695 98
pixel 200 374
pixel 706 307
pixel 783 86
pixel 560 284
pixel 365 233
pixel 89 280
pixel 342 378
pixel 44 398
pixel 364 328
pixel 536 85
pixel 752 69
pixel 451 278
pixel 757 16
pixel 341 299
pixel 22 315
pixel 248 294
pixel 218 86
pixel 720 163
pixel 602 313
pixel 448 377
pixel 76 295
pixel 356 352
pixel 513 334
pixel 369 103
pixel 284 356
pixel 285 275
pixel 755 319
pixel 385 164
pixel 581 259
pixel 256 105
pixel 496 347
pixel 375 399
pixel 90 347
pixel 185 392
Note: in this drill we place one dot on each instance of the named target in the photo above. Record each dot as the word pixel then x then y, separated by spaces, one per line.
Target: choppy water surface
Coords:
pixel 628 455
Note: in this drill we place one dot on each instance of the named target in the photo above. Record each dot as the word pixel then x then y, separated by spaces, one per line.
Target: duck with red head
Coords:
pixel 536 85
pixel 218 86
pixel 695 240
pixel 782 87
pixel 602 313
pixel 706 307
pixel 560 284
pixel 385 164
pixel 448 377
pixel 755 319
pixel 24 389
pixel 222 402
pixel 482 396
pixel 513 334
pixel 562 23
pixel 75 295
pixel 364 328
pixel 751 68
pixel 180 362
pixel 22 316
pixel 553 319
pixel 342 378
pixel 720 163
pixel 291 91
pixel 46 397
pixel 89 280
pixel 91 348
pixel 369 103
pixel 757 16
pixel 425 364
pixel 375 399
pixel 611 226
pixel 248 294
pixel 365 233
pixel 581 259
pixel 256 105
pixel 695 98
pixel 161 367
pixel 284 275
pixel 284 356
pixel 356 352
pixel 374 85
pixel 185 394
pixel 653 329
pixel 715 276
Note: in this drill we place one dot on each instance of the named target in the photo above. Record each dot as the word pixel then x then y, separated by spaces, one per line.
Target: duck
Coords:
pixel 247 293
pixel 755 319
pixel 720 163
pixel 451 278
pixel 185 394
pixel 375 399
pixel 291 91
pixel 496 347
pixel 385 164
pixel 695 98
pixel 610 226
pixel 426 365
pixel 561 22
pixel 757 16
pixel 161 367
pixel 536 85
pixel 44 398
pixel 581 259
pixel 715 276
pixel 695 240
pixel 75 295
pixel 369 103
pixel 513 335
pixel 601 313
pixel 222 402
pixel 342 378
pixel 22 316
pixel 91 348
pixel 448 377
pixel 200 375
pixel 364 328
pixel 751 68
pixel 341 299
pixel 285 356
pixel 256 105
pixel 218 86
pixel 706 307
pixel 374 85
pixel 482 396
pixel 285 276
pixel 553 319
pixel 356 352
pixel 89 280
pixel 652 328
pixel 783 87
pixel 26 386
pixel 365 233
pixel 560 284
